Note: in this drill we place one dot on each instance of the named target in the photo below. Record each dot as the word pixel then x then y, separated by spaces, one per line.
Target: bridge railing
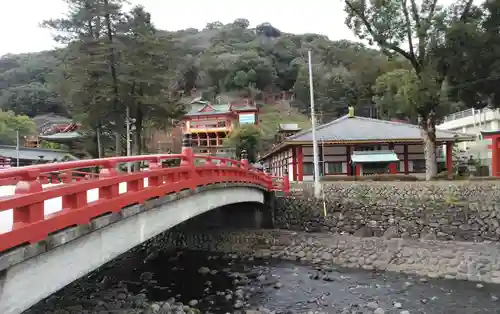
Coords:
pixel 165 174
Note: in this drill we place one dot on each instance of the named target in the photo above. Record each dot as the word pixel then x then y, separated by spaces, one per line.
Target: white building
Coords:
pixel 473 122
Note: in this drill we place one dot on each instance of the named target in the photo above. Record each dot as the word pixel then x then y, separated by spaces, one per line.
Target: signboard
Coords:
pixel 247 118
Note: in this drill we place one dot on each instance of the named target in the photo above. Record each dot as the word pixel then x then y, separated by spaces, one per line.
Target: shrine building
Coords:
pixel 209 124
pixel 358 146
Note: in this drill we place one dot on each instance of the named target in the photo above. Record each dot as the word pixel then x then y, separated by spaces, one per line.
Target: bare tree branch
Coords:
pixel 380 41
pixel 409 32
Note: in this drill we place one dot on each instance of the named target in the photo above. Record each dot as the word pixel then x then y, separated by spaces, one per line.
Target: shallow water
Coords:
pixel 284 287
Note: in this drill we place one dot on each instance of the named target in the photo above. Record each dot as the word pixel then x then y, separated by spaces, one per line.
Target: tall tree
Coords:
pixel 474 68
pixel 421 27
pixel 117 61
pixel 87 78
pixel 149 73
pixel 10 124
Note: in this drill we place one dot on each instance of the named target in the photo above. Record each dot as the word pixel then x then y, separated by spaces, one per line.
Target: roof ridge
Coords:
pixel 389 122
pixel 317 128
pixel 371 127
pixel 409 125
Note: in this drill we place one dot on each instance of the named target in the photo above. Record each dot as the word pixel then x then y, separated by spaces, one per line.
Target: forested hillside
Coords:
pixel 223 58
pixel 430 59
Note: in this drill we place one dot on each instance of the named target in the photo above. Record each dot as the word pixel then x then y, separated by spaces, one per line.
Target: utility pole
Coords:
pixel 99 148
pixel 17 148
pixel 127 124
pixel 317 185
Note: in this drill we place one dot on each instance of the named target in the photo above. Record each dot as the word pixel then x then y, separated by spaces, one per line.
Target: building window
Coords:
pixel 334 168
pixel 308 168
pixel 367 148
pixel 419 165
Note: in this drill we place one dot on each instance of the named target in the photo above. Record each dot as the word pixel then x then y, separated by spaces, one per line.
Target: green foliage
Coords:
pixel 393 94
pixel 423 28
pixel 247 137
pixel 23 84
pixel 131 66
pixel 116 59
pixel 476 69
pixel 10 123
pixel 51 145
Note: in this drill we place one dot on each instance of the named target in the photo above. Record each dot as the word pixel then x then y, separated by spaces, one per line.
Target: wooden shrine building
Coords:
pixel 357 146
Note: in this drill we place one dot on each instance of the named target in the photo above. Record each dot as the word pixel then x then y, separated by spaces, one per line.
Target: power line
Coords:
pixel 474 82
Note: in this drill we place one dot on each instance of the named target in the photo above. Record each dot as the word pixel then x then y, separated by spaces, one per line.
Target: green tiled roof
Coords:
pixel 374 156
pixel 198 105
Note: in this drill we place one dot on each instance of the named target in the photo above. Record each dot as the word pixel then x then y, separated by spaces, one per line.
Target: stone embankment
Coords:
pixel 461 211
pixel 435 229
pixel 430 258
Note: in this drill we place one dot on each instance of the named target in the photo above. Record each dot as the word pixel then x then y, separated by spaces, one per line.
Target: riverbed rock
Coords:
pixel 204 270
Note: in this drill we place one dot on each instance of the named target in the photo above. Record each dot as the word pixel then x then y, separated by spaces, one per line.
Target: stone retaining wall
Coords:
pixel 464 211
pixel 431 258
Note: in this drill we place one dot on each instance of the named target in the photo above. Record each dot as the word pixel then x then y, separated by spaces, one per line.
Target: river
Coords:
pixel 215 283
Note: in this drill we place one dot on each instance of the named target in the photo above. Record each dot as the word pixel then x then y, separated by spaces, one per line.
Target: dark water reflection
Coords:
pixel 299 292
pixel 217 284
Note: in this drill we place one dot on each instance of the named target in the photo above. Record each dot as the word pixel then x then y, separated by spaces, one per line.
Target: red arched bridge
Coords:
pixel 63 220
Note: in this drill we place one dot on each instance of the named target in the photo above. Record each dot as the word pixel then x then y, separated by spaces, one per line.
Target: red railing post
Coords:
pixel 111 191
pixel 34 212
pixel 187 151
pixel 155 180
pixel 188 160
pixel 244 159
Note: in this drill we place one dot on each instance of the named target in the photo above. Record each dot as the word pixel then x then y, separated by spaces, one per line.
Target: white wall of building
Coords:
pixel 472 122
pixel 280 162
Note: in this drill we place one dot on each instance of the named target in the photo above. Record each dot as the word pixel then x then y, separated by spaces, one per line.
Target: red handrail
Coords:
pixel 30 224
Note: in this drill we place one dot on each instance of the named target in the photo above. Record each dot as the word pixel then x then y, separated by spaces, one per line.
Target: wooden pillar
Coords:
pixel 294 163
pixel 300 164
pixel 321 161
pixel 393 168
pixel 405 161
pixel 495 156
pixel 449 159
pixel 348 159
pixel 358 170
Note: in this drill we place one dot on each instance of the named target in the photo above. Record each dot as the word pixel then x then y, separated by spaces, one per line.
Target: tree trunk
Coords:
pixel 112 67
pixel 139 122
pixel 429 137
pixel 118 149
pixel 138 131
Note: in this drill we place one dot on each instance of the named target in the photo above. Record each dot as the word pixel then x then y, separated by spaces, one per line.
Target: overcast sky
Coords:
pixel 19 19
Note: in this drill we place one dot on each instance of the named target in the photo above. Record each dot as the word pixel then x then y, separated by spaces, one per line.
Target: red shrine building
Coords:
pixel 209 124
pixel 358 146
